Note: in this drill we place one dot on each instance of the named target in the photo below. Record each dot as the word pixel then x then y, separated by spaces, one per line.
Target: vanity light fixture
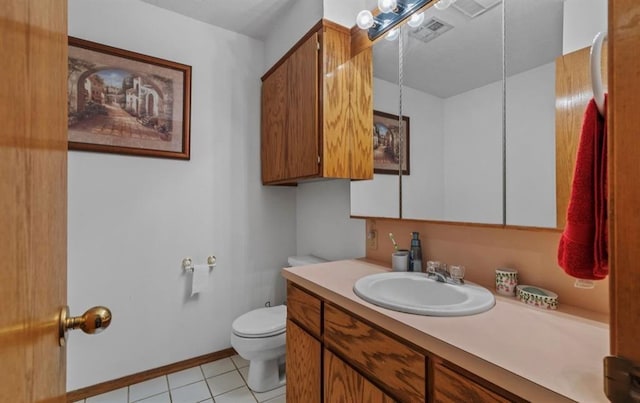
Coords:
pixel 416 19
pixel 392 12
pixel 443 4
pixel 393 34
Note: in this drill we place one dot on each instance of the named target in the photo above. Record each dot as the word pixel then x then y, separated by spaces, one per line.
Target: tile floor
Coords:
pixel 222 381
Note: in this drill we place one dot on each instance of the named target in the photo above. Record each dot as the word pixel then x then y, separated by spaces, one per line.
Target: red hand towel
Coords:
pixel 582 251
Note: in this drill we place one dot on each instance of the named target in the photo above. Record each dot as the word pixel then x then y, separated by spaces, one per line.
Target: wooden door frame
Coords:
pixel 624 171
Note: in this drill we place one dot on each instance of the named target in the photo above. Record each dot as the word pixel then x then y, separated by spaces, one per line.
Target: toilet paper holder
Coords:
pixel 187 263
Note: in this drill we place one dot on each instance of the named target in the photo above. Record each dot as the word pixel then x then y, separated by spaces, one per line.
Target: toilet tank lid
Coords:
pixel 304 260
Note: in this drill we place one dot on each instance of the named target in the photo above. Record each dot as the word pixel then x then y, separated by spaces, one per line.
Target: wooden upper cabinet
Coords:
pixel 274 107
pixel 317 110
pixel 302 117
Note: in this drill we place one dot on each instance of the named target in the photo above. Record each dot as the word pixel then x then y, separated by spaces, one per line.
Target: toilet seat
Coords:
pixel 261 322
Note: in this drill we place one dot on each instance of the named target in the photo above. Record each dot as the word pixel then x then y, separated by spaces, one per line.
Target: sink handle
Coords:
pixel 457 274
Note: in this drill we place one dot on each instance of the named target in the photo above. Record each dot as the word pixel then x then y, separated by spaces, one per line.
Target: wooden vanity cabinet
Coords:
pixel 317 110
pixel 334 356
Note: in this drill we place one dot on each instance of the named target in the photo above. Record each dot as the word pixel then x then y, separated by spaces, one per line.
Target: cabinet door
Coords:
pixel 377 355
pixel 450 386
pixel 302 111
pixel 303 366
pixel 343 384
pixel 274 125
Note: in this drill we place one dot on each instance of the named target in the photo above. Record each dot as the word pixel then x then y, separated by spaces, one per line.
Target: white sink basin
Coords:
pixel 415 293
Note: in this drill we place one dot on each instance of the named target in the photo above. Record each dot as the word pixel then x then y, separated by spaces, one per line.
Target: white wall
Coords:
pixel 473 155
pixel 343 12
pixel 583 19
pixel 296 21
pixel 531 147
pixel 323 225
pixel 133 219
pixel 423 189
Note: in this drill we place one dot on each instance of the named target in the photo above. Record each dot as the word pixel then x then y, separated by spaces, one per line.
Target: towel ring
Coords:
pixel 596 70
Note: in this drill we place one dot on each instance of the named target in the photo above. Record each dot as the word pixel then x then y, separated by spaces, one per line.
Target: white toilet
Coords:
pixel 259 336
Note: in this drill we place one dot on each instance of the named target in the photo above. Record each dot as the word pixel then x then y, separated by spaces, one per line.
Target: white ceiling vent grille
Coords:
pixel 430 29
pixel 473 8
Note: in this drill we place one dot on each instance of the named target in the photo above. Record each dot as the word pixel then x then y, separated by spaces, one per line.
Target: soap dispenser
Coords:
pixel 415 263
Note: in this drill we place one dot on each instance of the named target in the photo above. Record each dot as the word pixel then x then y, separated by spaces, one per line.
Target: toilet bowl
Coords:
pixel 259 336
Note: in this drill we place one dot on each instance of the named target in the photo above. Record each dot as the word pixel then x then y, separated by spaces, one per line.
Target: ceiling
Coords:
pixel 253 18
pixel 467 56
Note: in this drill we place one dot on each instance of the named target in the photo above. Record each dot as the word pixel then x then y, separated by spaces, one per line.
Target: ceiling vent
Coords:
pixel 473 8
pixel 430 29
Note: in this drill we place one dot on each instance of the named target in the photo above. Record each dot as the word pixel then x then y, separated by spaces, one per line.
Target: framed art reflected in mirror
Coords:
pixel 390 143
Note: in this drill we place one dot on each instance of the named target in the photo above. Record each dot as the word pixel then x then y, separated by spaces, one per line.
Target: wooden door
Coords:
pixel 33 198
pixel 624 174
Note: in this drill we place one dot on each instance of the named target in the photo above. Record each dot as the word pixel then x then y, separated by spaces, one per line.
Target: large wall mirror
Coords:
pixel 482 127
pixel 452 93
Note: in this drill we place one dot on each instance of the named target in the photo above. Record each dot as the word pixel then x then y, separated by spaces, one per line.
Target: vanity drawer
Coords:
pixel 380 357
pixel 304 309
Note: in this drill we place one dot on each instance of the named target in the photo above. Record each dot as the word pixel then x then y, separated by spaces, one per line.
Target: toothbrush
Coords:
pixel 393 240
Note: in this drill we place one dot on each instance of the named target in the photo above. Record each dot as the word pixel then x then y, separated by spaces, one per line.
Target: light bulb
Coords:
pixel 416 20
pixel 386 6
pixel 364 19
pixel 444 4
pixel 392 35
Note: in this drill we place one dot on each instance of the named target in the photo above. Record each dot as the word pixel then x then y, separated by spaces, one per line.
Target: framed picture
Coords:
pixel 386 143
pixel 127 103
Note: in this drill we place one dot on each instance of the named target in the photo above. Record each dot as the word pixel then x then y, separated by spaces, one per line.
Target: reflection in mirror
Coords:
pixel 453 87
pixel 379 197
pixel 452 93
pixel 533 35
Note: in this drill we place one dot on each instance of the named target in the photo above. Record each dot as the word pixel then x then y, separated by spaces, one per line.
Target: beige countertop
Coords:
pixel 540 355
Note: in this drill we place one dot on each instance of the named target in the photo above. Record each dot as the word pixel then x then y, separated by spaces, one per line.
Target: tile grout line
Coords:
pixel 206 383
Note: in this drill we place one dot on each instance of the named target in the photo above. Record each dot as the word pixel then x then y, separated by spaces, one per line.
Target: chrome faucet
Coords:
pixel 438 271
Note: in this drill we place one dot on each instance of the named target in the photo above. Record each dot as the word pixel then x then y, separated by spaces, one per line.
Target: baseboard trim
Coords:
pixel 104 387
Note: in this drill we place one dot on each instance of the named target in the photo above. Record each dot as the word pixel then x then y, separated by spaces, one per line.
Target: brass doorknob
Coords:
pixel 94 320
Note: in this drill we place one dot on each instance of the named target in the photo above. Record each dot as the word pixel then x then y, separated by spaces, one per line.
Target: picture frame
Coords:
pixel 127 103
pixel 386 143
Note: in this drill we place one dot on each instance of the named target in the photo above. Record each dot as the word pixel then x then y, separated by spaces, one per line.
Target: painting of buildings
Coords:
pixel 125 103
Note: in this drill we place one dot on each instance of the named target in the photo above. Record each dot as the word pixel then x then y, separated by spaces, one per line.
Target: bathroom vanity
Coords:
pixel 341 348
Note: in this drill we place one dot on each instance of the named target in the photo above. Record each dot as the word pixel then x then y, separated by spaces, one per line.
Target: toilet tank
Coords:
pixel 304 260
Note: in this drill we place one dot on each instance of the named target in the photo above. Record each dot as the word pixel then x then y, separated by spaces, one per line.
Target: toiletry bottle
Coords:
pixel 415 263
